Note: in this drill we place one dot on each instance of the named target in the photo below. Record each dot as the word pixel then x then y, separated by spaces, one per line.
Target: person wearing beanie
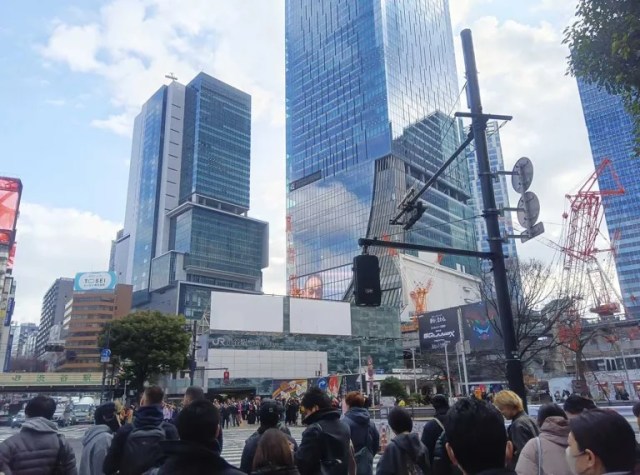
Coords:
pixel 97 439
pixel 270 414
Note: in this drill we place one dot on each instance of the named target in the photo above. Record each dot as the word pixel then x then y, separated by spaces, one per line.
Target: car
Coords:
pixel 18 419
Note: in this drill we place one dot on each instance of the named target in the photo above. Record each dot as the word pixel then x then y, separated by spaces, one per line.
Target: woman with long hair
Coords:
pixel 274 455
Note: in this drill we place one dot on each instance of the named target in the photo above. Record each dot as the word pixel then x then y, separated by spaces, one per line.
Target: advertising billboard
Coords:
pixel 246 312
pixel 478 329
pixel 94 281
pixel 319 317
pixel 438 328
pixel 10 192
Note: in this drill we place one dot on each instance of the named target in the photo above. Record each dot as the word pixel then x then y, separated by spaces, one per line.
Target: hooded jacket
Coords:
pixel 188 458
pixel 325 438
pixel 553 443
pixel 146 417
pixel 251 445
pixel 360 423
pixel 403 451
pixel 95 445
pixel 37 449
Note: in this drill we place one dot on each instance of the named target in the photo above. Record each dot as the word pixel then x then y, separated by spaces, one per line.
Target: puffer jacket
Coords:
pixel 95 445
pixel 403 452
pixel 359 421
pixel 553 443
pixel 37 449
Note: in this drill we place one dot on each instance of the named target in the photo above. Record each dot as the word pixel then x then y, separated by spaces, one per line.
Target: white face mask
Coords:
pixel 571 461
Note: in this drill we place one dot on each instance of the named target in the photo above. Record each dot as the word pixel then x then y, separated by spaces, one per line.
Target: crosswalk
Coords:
pixel 72 432
pixel 234 439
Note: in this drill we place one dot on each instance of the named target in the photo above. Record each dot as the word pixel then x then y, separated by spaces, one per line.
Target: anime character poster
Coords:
pixel 289 388
pixel 334 386
pixel 478 327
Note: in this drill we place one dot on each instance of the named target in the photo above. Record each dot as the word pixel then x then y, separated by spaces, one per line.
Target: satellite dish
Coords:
pixel 522 175
pixel 528 209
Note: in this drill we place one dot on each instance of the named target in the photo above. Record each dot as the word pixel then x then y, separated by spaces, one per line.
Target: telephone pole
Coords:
pixel 491 213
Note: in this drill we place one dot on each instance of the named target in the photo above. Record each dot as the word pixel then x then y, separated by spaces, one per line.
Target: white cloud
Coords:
pixel 52 243
pixel 56 102
pixel 121 124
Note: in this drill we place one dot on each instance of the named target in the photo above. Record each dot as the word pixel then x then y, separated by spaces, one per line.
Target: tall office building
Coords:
pixel 369 89
pixel 501 192
pixel 53 305
pixel 97 301
pixel 186 226
pixel 611 136
pixel 21 333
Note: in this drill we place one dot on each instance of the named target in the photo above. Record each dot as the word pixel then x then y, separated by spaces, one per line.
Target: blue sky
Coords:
pixel 74 74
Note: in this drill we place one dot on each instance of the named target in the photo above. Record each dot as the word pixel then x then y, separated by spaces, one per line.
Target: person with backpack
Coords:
pixel 136 447
pixel 546 453
pixel 405 454
pixel 270 411
pixel 434 428
pixel 273 455
pixel 38 449
pixel 97 439
pixel 197 452
pixel 325 447
pixel 364 434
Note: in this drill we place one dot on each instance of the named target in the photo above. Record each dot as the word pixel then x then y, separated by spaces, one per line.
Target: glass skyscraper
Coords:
pixel 494 147
pixel 370 86
pixel 186 226
pixel 611 136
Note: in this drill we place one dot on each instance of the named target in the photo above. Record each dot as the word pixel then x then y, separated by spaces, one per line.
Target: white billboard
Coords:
pixel 428 286
pixel 319 317
pixel 246 312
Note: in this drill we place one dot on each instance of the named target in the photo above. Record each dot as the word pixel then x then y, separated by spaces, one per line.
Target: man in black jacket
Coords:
pixel 435 427
pixel 197 450
pixel 326 441
pixel 270 411
pixel 150 430
pixel 476 438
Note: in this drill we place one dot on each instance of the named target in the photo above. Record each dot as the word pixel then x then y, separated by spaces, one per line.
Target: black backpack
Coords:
pixel 142 450
pixel 332 454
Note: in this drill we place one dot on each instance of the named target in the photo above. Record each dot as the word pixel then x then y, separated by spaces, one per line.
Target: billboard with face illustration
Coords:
pixel 478 328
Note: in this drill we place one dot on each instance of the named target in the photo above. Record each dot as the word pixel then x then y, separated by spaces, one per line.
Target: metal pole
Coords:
pixel 364 389
pixel 459 369
pixel 192 363
pixel 446 358
pixel 104 366
pixel 415 380
pixel 464 354
pixel 490 212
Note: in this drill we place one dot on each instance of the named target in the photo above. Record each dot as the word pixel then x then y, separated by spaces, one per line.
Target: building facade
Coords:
pixel 21 334
pixel 370 87
pixel 610 131
pixel 501 192
pixel 186 224
pixel 53 304
pixel 90 312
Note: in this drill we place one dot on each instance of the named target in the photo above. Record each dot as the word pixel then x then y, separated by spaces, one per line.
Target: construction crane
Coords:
pixel 582 269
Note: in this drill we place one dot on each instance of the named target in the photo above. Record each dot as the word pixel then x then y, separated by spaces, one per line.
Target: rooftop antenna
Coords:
pixel 171 76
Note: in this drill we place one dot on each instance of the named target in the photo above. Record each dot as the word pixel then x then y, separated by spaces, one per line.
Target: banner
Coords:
pixel 287 388
pixel 478 329
pixel 438 328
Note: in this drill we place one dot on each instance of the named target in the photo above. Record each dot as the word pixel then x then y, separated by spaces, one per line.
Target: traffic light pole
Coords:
pixel 192 363
pixel 491 213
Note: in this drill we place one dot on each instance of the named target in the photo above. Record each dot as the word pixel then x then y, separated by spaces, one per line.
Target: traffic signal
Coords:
pixel 415 213
pixel 225 377
pixel 366 280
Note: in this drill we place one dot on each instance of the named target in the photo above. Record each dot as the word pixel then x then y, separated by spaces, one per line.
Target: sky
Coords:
pixel 75 73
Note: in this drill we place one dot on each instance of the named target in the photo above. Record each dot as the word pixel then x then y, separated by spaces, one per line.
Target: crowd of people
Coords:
pixel 467 438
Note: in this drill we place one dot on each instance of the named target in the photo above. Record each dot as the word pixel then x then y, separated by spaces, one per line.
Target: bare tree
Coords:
pixel 537 306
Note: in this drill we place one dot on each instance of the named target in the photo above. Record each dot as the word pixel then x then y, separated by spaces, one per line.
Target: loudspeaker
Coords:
pixel 366 280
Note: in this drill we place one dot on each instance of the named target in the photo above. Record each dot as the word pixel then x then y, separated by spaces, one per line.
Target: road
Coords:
pixel 233 440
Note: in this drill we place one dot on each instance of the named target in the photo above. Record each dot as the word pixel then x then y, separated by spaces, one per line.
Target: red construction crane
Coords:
pixel 581 269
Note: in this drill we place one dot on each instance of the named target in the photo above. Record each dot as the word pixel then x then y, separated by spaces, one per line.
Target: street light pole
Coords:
pixel 415 381
pixel 446 357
